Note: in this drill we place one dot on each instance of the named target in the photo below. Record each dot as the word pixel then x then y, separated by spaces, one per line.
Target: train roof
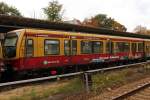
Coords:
pixel 45 32
pixel 8 23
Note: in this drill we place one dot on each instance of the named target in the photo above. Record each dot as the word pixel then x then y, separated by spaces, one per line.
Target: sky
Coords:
pixel 128 12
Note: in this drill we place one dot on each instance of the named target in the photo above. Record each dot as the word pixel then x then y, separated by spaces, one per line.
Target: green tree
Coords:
pixel 9 10
pixel 101 19
pixel 54 11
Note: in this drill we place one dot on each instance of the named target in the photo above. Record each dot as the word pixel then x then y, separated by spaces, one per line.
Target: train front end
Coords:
pixel 11 52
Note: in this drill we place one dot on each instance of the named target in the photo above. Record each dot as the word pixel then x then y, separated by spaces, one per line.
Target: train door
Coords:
pixel 147 49
pixel 73 51
pixel 67 51
pixel 0 51
pixel 1 64
pixel 109 47
pixel 110 50
pixel 134 50
pixel 30 52
pixel 1 56
pixel 144 51
pixel 70 50
pixel 141 49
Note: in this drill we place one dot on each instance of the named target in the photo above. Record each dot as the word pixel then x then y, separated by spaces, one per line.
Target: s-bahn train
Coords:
pixel 34 50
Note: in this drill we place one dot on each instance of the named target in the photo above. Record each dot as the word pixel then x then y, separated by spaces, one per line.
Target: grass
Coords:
pixel 101 82
pixel 114 79
pixel 34 93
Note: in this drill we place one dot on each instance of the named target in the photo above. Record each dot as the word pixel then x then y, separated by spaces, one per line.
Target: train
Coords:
pixel 26 51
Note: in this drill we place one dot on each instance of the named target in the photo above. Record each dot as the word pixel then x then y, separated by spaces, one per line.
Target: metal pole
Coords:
pixel 86 82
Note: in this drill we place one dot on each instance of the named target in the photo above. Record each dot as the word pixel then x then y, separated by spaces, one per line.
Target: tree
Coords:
pixel 98 21
pixel 101 20
pixel 141 30
pixel 9 10
pixel 54 11
pixel 117 26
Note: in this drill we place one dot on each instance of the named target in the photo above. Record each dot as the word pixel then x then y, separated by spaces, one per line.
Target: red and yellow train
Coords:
pixel 28 50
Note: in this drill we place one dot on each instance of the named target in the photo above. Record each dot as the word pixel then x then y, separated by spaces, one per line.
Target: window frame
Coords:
pixel 134 48
pixel 68 46
pixel 109 47
pixel 123 45
pixel 71 47
pixel 140 49
pixel 27 45
pixel 45 45
pixel 101 50
pixel 82 48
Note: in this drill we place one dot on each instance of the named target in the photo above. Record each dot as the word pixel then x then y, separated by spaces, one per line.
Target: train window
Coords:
pixel 74 47
pixel 122 47
pixel 52 47
pixel 109 47
pixel 140 47
pixel 97 47
pixel 86 47
pixel 67 47
pixel 29 48
pixel 133 47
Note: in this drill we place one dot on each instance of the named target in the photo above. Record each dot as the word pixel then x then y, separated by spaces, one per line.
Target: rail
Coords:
pixel 132 92
pixel 86 74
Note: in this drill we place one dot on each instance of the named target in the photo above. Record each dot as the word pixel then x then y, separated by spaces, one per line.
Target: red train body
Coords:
pixel 30 49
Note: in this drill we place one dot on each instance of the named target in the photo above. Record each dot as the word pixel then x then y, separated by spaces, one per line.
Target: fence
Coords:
pixel 85 85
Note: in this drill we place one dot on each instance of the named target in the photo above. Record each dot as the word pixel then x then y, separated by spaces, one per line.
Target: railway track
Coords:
pixel 142 95
pixel 142 92
pixel 50 78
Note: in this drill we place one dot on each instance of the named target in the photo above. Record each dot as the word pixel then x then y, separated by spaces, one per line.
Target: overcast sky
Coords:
pixel 128 12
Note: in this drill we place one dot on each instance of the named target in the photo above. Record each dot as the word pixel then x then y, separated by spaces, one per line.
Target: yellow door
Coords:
pixel 1 51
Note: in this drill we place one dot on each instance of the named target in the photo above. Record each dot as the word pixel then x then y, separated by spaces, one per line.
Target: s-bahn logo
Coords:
pixel 50 62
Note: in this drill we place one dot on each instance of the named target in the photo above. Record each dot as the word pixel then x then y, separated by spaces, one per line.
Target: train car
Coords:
pixel 29 50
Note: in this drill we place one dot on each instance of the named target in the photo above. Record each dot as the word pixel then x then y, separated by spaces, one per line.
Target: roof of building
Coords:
pixel 9 23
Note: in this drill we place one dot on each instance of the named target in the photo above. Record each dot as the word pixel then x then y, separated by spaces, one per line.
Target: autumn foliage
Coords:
pixel 103 21
pixel 141 30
